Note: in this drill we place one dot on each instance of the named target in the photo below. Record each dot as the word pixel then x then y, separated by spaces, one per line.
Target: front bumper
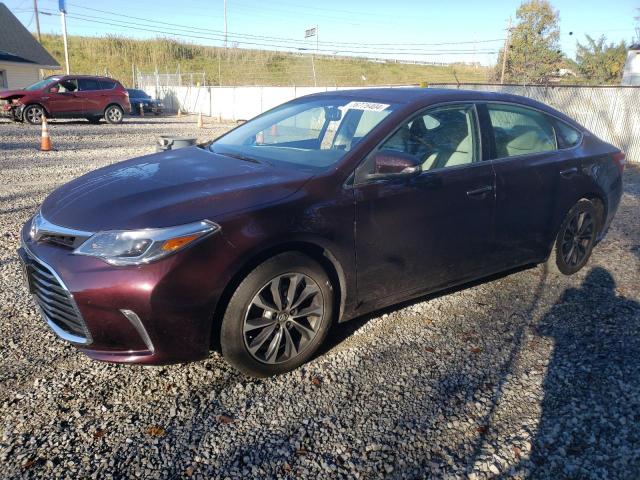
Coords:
pixel 148 108
pixel 14 112
pixel 152 314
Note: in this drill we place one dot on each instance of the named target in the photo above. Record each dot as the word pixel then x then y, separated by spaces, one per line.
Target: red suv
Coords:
pixel 67 96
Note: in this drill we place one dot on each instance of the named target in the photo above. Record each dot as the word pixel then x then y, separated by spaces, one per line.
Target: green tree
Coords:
pixel 600 62
pixel 534 48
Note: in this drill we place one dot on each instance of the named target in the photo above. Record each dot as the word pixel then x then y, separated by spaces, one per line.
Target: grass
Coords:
pixel 115 56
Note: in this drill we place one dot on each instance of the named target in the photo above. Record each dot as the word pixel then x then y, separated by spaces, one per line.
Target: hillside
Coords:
pixel 115 56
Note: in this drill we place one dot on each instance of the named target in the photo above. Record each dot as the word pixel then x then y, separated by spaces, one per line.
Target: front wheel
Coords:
pixel 33 114
pixel 575 239
pixel 113 114
pixel 278 316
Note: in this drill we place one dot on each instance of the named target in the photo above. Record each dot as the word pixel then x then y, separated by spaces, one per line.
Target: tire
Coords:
pixel 94 120
pixel 575 240
pixel 261 335
pixel 33 114
pixel 113 114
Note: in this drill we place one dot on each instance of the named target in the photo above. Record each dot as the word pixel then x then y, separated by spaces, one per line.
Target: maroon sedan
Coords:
pixel 318 211
pixel 67 96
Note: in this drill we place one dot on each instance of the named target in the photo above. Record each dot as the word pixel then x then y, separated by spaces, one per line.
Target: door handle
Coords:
pixel 569 172
pixel 480 191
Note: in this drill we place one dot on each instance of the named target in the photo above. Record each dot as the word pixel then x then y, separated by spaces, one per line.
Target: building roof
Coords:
pixel 18 45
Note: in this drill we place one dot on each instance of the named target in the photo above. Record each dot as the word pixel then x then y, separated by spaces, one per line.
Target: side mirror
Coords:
pixel 54 90
pixel 389 163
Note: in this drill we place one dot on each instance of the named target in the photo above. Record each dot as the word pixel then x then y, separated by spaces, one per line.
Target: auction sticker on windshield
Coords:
pixel 371 106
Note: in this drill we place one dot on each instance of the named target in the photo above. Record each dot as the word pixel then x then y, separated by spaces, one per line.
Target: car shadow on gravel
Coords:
pixel 341 331
pixel 590 421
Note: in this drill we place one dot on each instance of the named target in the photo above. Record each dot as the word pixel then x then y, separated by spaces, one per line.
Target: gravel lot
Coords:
pixel 524 376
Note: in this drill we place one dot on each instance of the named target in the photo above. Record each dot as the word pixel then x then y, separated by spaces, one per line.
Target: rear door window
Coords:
pixel 520 131
pixel 88 84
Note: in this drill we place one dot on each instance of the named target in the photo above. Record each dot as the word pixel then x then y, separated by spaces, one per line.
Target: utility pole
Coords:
pixel 37 16
pixel 225 23
pixel 505 52
pixel 63 20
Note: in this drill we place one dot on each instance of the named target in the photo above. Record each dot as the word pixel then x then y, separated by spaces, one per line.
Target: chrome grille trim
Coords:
pixel 56 302
pixel 42 230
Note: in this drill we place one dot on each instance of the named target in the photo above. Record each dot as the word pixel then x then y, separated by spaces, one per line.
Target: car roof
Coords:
pixel 94 77
pixel 427 96
pixel 413 94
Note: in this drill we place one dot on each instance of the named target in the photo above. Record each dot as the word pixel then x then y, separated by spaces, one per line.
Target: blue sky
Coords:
pixel 373 28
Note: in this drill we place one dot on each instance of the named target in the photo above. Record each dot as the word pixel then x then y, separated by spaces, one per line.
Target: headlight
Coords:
pixel 135 247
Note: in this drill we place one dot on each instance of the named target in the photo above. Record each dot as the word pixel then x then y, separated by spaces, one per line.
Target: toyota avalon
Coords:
pixel 315 212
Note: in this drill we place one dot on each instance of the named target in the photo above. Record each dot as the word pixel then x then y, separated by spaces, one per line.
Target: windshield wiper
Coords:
pixel 239 156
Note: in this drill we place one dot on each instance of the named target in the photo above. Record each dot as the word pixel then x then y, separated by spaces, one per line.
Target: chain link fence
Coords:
pixel 612 113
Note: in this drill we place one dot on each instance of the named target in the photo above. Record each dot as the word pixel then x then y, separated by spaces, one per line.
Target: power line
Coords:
pixel 275 38
pixel 219 37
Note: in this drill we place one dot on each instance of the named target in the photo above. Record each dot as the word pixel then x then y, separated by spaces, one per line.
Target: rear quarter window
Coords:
pixel 567 136
pixel 107 85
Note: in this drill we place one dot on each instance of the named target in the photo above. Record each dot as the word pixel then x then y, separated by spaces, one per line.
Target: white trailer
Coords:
pixel 631 73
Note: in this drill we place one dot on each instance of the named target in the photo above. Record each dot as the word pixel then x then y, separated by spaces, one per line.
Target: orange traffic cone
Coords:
pixel 200 123
pixel 141 110
pixel 45 141
pixel 179 112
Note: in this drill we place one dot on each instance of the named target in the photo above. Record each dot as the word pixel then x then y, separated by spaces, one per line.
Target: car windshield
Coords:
pixel 42 83
pixel 137 94
pixel 311 133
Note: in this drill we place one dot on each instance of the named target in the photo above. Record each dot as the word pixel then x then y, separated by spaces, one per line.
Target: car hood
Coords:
pixel 11 93
pixel 166 189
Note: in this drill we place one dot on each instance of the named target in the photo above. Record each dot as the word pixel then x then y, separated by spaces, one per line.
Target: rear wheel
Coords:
pixel 33 114
pixel 575 239
pixel 113 114
pixel 278 316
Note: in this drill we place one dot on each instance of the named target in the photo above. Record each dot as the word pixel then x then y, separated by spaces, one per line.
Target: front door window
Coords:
pixel 442 137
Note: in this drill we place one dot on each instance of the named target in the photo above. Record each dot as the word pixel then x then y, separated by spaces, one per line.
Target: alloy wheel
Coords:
pixel 34 114
pixel 114 115
pixel 577 238
pixel 283 318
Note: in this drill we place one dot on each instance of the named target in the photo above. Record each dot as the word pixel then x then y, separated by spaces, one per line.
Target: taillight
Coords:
pixel 620 159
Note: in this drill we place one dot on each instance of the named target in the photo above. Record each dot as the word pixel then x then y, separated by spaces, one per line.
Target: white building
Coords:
pixel 21 56
pixel 631 73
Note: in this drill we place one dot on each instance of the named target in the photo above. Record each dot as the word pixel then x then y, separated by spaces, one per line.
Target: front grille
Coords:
pixel 55 301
